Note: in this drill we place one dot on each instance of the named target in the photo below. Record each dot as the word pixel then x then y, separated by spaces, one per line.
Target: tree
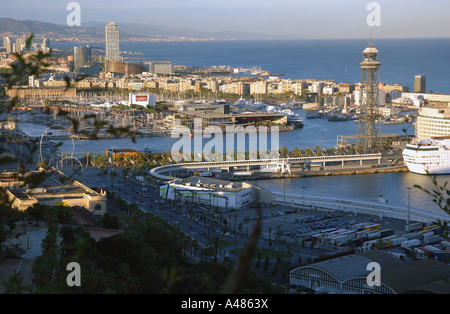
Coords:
pixel 37 212
pixel 440 194
pixel 45 266
pixel 217 243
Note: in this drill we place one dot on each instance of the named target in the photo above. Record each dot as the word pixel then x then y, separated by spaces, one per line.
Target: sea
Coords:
pixel 332 59
pixel 338 60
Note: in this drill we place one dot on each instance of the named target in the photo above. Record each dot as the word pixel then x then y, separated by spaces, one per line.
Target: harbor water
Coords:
pixel 401 60
pixel 392 187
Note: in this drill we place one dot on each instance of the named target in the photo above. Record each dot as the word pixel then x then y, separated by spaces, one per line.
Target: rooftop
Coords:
pixel 209 183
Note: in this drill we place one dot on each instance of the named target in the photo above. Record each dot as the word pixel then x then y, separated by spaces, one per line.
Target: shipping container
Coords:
pixel 445 245
pixel 432 239
pixel 372 227
pixel 398 240
pixel 410 243
pixel 386 233
pixel 414 227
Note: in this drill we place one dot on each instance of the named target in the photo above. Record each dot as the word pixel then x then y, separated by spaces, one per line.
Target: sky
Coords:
pixel 313 19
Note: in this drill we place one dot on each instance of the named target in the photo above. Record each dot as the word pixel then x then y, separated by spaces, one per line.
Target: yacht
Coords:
pixel 292 118
pixel 430 156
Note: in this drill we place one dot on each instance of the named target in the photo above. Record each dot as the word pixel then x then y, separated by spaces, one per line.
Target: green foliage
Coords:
pixel 441 196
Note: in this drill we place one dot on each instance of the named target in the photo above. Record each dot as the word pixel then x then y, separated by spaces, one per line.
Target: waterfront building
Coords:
pixel 285 86
pixel 443 99
pixel 81 57
pixel 112 44
pixel 316 87
pixel 142 99
pixel 432 122
pixel 329 90
pixel 346 88
pixel 161 67
pixel 419 83
pixel 258 88
pixel 220 116
pixel 212 192
pixel 115 154
pixel 25 92
pixel 125 68
pixel 55 190
pixel 349 275
pixel 298 87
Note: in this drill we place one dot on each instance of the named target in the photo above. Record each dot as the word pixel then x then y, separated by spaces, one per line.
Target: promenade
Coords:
pixel 376 209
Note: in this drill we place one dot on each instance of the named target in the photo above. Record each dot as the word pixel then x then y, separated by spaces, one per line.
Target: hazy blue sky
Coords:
pixel 284 18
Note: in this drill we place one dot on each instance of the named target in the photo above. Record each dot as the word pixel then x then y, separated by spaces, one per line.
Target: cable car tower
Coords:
pixel 369 134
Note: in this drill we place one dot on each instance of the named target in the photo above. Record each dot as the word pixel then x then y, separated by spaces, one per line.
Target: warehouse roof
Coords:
pixel 339 267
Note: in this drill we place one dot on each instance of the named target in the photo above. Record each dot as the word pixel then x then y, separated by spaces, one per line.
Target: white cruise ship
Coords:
pixel 428 156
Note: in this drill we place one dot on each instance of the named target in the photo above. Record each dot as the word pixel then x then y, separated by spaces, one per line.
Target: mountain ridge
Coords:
pixel 128 31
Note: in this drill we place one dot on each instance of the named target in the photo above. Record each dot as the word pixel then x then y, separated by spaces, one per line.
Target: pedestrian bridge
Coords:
pixel 282 164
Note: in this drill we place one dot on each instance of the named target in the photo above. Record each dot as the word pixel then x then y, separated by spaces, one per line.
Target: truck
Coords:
pixel 410 243
pixel 414 227
pixel 432 239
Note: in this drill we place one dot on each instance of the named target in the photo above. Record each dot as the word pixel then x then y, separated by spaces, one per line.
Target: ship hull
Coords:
pixel 431 160
pixel 429 169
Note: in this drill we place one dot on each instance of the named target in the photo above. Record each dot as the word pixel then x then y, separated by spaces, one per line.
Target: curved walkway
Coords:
pixel 258 162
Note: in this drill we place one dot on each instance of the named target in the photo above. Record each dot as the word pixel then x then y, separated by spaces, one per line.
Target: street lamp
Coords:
pixel 303 188
pixel 284 193
pixel 42 137
pixel 409 209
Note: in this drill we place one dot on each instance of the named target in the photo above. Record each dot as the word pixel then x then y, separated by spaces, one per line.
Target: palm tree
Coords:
pixel 88 156
pixel 217 243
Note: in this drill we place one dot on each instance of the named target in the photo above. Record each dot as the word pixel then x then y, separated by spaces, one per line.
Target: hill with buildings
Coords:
pixel 95 32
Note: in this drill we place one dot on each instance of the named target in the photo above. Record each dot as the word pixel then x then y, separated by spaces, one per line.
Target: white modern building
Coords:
pixel 441 98
pixel 432 122
pixel 112 48
pixel 142 99
pixel 161 67
pixel 213 192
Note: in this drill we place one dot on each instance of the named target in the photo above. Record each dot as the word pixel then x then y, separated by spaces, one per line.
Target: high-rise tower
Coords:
pixel 419 83
pixel 81 57
pixel 369 134
pixel 112 42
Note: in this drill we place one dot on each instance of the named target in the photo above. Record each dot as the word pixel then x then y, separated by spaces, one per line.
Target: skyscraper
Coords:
pixel 369 139
pixel 81 57
pixel 112 42
pixel 419 83
pixel 7 44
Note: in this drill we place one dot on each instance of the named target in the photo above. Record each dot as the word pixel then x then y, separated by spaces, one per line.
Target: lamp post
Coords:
pixel 409 208
pixel 284 193
pixel 42 137
pixel 303 188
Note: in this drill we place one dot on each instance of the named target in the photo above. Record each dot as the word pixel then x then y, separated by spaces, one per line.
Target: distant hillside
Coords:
pixel 95 31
